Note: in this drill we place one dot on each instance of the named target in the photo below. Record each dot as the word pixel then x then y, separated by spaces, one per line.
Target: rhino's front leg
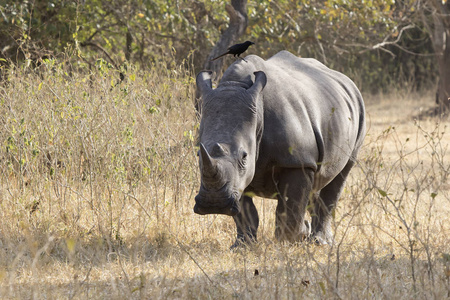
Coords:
pixel 294 190
pixel 247 222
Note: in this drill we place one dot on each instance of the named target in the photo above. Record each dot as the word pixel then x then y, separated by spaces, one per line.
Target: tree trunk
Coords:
pixel 441 45
pixel 129 40
pixel 238 23
pixel 443 91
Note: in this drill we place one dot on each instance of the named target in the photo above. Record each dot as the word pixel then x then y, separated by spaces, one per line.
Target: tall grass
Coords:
pixel 97 185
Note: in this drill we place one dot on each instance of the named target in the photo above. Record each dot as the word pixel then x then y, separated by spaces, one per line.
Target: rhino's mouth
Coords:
pixel 228 206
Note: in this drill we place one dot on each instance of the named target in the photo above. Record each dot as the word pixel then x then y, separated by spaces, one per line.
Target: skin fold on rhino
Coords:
pixel 286 128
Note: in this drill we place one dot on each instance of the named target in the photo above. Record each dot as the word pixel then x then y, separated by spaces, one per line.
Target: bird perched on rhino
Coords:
pixel 236 50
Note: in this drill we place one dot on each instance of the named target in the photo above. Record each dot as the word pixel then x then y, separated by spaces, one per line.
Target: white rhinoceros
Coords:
pixel 287 128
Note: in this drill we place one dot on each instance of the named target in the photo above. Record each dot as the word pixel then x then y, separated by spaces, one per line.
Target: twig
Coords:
pixel 82 283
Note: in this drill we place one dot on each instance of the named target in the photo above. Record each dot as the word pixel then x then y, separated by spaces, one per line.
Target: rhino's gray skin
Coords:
pixel 287 128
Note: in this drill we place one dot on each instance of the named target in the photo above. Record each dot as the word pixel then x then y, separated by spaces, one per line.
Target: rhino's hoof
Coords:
pixel 293 235
pixel 242 242
pixel 237 245
pixel 320 239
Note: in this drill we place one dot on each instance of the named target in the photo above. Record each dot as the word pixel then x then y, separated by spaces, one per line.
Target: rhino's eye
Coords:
pixel 244 157
pixel 243 160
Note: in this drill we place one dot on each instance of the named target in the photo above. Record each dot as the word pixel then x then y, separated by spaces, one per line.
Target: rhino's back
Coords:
pixel 313 116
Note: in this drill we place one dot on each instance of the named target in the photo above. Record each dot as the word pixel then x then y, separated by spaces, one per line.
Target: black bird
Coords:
pixel 236 50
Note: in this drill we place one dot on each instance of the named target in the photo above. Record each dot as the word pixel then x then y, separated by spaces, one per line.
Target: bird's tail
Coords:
pixel 219 56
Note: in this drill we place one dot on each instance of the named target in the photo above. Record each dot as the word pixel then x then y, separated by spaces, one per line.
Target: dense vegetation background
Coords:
pixel 381 44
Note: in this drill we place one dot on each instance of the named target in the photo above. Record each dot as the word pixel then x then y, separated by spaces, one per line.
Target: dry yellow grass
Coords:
pixel 97 186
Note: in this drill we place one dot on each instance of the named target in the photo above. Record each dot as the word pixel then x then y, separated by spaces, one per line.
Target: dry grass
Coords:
pixel 97 187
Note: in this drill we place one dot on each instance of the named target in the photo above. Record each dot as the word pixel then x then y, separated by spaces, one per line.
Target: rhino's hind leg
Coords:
pixel 294 190
pixel 324 203
pixel 247 222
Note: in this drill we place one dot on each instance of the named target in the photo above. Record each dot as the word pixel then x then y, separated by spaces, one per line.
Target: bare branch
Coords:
pixel 386 42
pixel 381 46
pixel 92 44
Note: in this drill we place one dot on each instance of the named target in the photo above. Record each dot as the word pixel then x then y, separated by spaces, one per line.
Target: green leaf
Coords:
pixel 382 193
pixel 250 194
pixel 153 110
pixel 70 245
pixel 322 287
pixel 291 150
pixel 446 257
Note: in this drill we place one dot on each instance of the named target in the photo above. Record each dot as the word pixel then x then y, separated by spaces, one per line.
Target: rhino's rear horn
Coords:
pixel 203 80
pixel 209 165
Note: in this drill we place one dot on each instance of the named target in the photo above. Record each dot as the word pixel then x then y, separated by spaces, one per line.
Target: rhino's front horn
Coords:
pixel 209 164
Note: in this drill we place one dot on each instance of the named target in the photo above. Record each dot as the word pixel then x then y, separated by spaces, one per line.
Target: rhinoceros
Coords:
pixel 285 128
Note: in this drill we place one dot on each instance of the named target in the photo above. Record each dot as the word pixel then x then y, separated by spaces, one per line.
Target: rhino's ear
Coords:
pixel 260 83
pixel 204 84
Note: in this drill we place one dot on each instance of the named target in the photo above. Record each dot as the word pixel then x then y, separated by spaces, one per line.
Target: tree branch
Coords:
pixel 381 46
pixel 237 26
pixel 92 44
pixel 395 42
